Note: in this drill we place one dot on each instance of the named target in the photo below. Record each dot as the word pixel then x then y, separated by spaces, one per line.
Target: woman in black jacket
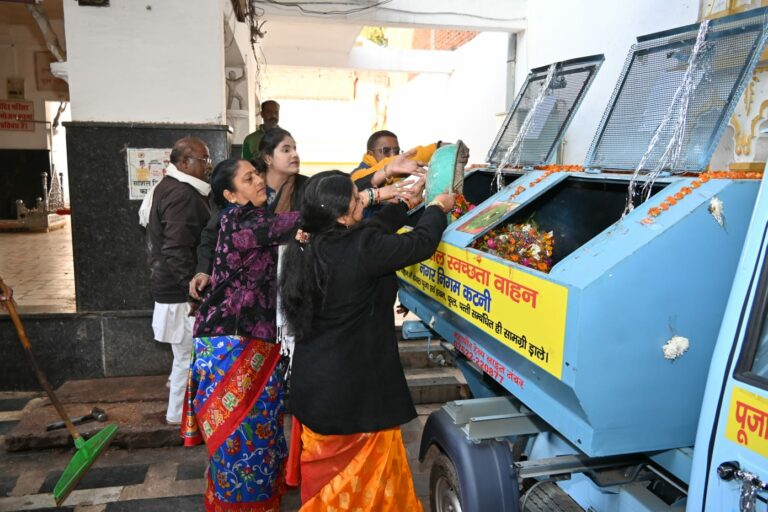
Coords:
pixel 348 387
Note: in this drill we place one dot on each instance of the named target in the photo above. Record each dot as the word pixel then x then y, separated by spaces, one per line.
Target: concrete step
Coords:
pixel 436 385
pixel 113 390
pixel 140 425
pixel 137 405
pixel 413 354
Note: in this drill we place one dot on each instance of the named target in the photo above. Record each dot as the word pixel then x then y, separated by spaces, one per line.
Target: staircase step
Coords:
pixel 141 413
pixel 108 390
pixel 413 354
pixel 436 386
pixel 138 404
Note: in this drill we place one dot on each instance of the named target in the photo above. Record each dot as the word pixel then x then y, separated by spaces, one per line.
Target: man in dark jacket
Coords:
pixel 178 211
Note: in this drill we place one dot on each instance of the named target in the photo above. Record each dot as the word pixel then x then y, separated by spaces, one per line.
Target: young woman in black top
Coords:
pixel 348 390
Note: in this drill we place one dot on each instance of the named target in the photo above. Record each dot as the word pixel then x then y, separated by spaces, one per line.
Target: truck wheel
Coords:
pixel 444 494
pixel 546 496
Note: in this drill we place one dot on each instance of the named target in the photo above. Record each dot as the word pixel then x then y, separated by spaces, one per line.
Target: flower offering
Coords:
pixel 525 244
pixel 461 207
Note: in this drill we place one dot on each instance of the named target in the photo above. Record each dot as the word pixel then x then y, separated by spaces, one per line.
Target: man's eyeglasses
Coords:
pixel 206 159
pixel 387 151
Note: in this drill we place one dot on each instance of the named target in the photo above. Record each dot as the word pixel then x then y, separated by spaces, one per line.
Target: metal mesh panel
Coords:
pixel 652 74
pixel 570 83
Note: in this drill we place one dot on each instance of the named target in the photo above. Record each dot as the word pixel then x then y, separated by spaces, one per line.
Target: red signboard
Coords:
pixel 16 115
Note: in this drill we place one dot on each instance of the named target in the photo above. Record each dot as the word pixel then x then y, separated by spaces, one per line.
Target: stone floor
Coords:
pixel 148 480
pixel 39 268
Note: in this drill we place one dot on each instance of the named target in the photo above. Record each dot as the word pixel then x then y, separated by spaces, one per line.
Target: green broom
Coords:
pixel 86 451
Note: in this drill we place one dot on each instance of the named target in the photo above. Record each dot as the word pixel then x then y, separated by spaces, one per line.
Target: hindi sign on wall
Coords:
pixel 146 167
pixel 17 116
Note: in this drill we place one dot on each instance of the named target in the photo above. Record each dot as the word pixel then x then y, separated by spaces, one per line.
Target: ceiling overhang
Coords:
pixel 477 15
pixel 296 38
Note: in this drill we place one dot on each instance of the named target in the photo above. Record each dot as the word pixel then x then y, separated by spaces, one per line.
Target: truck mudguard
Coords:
pixel 486 478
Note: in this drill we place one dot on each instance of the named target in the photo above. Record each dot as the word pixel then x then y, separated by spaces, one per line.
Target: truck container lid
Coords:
pixel 550 118
pixel 651 93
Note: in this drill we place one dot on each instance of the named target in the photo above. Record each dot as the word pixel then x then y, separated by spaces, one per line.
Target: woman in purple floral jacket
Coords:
pixel 235 396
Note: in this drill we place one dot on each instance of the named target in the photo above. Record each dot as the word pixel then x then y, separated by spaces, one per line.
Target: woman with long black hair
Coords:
pixel 279 163
pixel 349 394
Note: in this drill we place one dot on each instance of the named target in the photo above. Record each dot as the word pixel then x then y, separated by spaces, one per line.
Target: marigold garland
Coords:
pixel 560 168
pixel 666 204
pixel 731 175
pixel 703 178
pixel 541 178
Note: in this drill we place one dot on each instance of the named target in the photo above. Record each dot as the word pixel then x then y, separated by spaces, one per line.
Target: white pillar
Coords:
pixel 158 62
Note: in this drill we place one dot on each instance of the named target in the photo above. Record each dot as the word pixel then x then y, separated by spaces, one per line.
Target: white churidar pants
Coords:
pixel 172 324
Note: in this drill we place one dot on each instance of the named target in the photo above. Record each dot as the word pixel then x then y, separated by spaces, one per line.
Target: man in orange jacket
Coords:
pixel 382 148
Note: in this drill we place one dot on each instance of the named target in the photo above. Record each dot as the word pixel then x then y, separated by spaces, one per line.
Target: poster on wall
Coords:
pixel 14 88
pixel 17 116
pixel 44 79
pixel 146 167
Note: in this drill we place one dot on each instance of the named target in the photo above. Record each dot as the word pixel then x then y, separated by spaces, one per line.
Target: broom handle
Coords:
pixel 10 304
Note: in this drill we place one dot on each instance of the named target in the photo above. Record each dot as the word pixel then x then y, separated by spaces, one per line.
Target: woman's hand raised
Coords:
pixel 412 192
pixel 404 165
pixel 409 190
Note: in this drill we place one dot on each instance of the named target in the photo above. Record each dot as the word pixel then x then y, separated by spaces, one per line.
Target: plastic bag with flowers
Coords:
pixel 525 244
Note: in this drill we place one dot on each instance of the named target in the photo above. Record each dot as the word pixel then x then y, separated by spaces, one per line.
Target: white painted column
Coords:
pixel 150 61
pixel 239 57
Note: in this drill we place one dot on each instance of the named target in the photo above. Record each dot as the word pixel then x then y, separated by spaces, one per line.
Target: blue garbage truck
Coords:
pixel 583 303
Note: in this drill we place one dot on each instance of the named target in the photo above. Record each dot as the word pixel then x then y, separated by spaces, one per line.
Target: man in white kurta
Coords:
pixel 175 213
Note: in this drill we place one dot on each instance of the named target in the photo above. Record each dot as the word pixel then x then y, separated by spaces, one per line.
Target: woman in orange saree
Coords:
pixel 348 388
pixel 374 472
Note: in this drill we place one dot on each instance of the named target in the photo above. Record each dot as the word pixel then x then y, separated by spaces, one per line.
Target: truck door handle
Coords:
pixel 750 484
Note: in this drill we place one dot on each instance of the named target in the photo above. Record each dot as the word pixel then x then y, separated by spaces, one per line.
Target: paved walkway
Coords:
pixel 39 268
pixel 148 480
